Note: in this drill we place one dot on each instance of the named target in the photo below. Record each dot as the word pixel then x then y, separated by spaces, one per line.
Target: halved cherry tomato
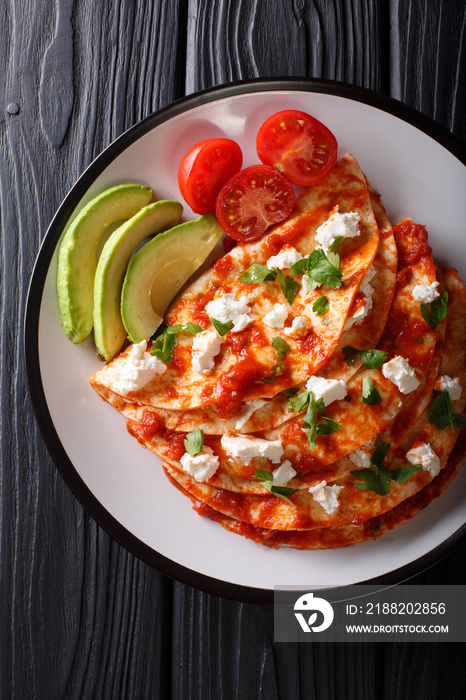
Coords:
pixel 204 169
pixel 297 145
pixel 252 200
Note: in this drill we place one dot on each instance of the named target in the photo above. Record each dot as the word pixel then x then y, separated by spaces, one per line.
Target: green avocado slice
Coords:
pixel 78 250
pixel 158 271
pixel 109 331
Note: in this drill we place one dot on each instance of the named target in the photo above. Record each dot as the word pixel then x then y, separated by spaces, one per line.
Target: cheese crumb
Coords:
pixel 287 257
pixel 326 496
pixel 247 409
pixel 367 290
pixel 426 293
pixel 298 327
pixel 346 225
pixel 139 368
pixel 276 318
pixel 202 466
pixel 245 448
pixel 424 454
pixel 327 389
pixel 398 371
pixel 283 474
pixel 450 384
pixel 228 308
pixel 206 345
pixel 361 456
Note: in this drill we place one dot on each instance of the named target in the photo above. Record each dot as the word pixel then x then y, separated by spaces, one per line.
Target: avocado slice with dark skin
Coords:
pixel 78 250
pixel 109 331
pixel 157 272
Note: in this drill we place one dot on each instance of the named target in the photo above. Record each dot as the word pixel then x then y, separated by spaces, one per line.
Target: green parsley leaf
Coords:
pixel 277 370
pixel 370 395
pixel 281 347
pixel 442 413
pixel 163 347
pixel 192 328
pixel 376 530
pixel 380 452
pixel 404 473
pixel 321 406
pixel 221 328
pixel 288 285
pixel 320 306
pixel 194 442
pixel 310 420
pixel 435 312
pixel 322 270
pixel 350 354
pixel 373 359
pixel 336 245
pixel 256 274
pixel 266 479
pixel 299 402
pixel 377 480
pixel 299 267
pixel 327 427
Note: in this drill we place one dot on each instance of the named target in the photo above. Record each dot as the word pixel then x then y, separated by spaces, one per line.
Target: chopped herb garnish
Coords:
pixel 277 370
pixel 371 359
pixel 288 285
pixel 442 413
pixel 164 340
pixel 370 395
pixel 256 274
pixel 320 306
pixel 327 427
pixel 299 402
pixel 192 328
pixel 320 268
pixel 336 245
pixel 292 391
pixel 310 420
pixel 435 312
pixel 379 477
pixel 404 473
pixel 163 346
pixel 221 328
pixel 194 442
pixel 377 480
pixel 281 347
pixel 376 529
pixel 350 354
pixel 266 480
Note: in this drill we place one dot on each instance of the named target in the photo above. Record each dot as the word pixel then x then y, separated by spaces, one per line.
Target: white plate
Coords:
pixel 420 171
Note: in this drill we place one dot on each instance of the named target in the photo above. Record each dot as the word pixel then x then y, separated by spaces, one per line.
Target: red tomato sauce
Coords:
pixel 223 265
pixel 411 242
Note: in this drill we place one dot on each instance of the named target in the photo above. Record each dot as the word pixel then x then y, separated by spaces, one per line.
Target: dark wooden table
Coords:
pixel 80 617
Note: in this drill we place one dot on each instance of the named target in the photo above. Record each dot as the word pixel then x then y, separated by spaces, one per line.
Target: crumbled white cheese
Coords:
pixel 399 371
pixel 327 389
pixel 426 293
pixel 367 290
pixel 284 259
pixel 346 225
pixel 361 456
pixel 450 384
pixel 228 308
pixel 276 318
pixel 201 466
pixel 283 474
pixel 326 496
pixel 139 368
pixel 246 448
pixel 206 345
pixel 424 454
pixel 247 409
pixel 298 327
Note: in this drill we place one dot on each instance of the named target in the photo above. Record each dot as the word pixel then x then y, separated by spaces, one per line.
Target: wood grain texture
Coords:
pixel 79 616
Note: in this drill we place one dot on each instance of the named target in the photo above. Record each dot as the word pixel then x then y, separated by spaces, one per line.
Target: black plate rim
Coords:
pixel 78 487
